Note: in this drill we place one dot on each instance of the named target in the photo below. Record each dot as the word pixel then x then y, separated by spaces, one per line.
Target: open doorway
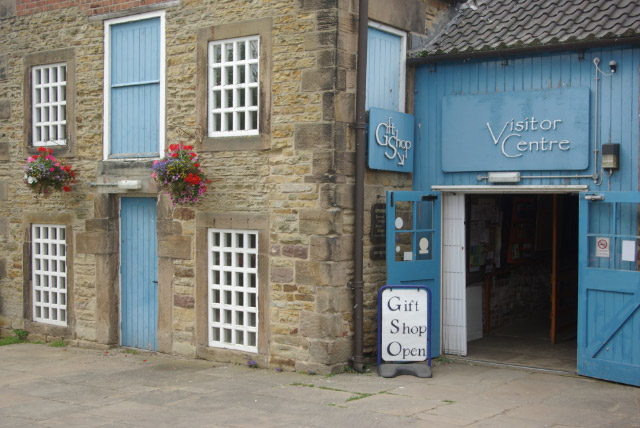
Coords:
pixel 522 279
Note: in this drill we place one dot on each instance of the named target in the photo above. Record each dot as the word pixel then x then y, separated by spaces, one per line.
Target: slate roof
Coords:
pixel 499 25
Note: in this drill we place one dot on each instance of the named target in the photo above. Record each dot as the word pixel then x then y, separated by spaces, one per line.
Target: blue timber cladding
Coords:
pixel 383 70
pixel 617 108
pixel 135 88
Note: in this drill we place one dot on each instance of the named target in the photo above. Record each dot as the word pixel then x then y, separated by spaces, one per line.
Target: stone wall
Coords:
pixel 298 190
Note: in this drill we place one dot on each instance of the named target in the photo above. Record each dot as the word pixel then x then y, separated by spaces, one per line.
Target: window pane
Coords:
pixel 242 51
pixel 49 274
pixel 236 87
pixel 253 73
pixel 238 309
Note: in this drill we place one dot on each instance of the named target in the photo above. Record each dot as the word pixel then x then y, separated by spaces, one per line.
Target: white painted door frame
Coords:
pixel 454 297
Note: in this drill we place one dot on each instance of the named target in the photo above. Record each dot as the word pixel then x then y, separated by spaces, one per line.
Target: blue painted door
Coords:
pixel 384 70
pixel 135 89
pixel 139 273
pixel 609 287
pixel 413 248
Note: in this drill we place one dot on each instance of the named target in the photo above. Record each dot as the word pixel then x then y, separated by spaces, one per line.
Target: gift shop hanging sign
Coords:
pixel 516 131
pixel 390 143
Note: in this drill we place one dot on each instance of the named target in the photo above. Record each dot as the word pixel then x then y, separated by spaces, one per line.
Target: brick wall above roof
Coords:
pixel 93 7
pixel 498 25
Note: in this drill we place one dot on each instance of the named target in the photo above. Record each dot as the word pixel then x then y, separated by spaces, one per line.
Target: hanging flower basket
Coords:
pixel 180 174
pixel 44 174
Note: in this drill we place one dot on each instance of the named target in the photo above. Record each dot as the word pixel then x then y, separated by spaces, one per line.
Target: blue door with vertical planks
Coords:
pixel 135 89
pixel 138 273
pixel 609 287
pixel 384 74
pixel 413 248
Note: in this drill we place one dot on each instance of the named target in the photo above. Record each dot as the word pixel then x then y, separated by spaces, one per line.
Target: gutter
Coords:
pixel 635 40
pixel 357 360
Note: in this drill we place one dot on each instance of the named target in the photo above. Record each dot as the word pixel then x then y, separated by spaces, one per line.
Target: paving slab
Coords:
pixel 71 387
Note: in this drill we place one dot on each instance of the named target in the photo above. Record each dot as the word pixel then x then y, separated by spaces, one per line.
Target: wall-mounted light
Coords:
pixel 613 66
pixel 504 177
pixel 611 156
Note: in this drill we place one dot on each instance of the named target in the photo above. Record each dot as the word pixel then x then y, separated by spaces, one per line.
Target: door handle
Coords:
pixel 155 282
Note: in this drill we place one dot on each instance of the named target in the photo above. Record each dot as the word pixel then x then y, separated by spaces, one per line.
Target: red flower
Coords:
pixel 188 147
pixel 173 147
pixel 174 155
pixel 65 188
pixel 196 165
pixel 42 149
pixel 50 151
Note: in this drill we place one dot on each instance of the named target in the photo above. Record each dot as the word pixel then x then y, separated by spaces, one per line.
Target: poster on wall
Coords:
pixel 516 131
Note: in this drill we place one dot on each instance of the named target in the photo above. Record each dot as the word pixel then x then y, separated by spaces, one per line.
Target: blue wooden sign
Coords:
pixel 390 144
pixel 516 131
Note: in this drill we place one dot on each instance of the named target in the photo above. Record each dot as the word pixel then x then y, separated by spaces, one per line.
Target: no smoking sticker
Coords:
pixel 602 247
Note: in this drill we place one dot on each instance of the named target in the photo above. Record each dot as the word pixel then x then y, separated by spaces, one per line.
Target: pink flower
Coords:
pixel 30 159
pixel 51 169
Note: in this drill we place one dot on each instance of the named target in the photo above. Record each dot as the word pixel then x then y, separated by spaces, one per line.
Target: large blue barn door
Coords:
pixel 139 273
pixel 135 89
pixel 609 287
pixel 413 248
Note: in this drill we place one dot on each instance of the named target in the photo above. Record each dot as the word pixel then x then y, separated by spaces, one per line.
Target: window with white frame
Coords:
pixel 49 104
pixel 233 289
pixel 49 273
pixel 233 87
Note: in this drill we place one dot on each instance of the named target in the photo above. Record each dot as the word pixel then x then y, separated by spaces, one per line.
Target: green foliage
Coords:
pixel 359 396
pixel 20 334
pixel 9 340
pixel 58 344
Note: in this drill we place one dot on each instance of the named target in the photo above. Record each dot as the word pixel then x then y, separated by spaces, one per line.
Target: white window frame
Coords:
pixel 403 56
pixel 232 307
pixel 49 274
pixel 59 88
pixel 107 78
pixel 234 87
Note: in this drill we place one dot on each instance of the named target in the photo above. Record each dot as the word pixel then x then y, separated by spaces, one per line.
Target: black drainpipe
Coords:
pixel 357 360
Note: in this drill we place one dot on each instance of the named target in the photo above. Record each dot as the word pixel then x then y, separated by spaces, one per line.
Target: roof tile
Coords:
pixel 481 25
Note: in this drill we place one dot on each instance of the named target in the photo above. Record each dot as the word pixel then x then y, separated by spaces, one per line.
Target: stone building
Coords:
pixel 259 269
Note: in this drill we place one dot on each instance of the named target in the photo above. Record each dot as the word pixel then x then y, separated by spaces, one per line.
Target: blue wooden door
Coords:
pixel 135 89
pixel 413 248
pixel 609 287
pixel 384 70
pixel 138 273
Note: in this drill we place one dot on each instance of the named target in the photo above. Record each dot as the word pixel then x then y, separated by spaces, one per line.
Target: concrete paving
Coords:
pixel 41 386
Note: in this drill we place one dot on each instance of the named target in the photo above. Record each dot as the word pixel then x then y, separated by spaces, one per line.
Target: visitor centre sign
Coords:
pixel 516 131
